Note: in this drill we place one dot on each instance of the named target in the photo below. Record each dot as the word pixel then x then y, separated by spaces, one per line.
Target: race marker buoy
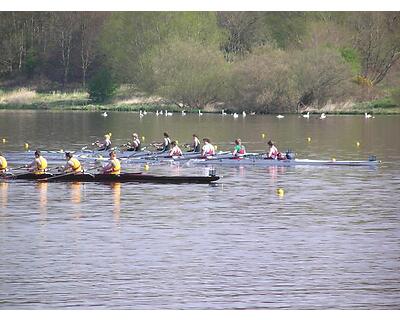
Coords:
pixel 357 143
pixel 309 139
pixel 280 192
pixel 263 135
pixel 177 142
pixel 333 159
pixel 216 147
pixel 4 140
pixel 26 146
pixel 143 138
pixel 146 167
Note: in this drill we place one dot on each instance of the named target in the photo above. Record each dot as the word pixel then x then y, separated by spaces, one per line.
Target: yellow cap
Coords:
pixel 280 192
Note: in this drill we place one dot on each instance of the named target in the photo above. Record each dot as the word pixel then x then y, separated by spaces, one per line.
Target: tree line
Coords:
pixel 264 61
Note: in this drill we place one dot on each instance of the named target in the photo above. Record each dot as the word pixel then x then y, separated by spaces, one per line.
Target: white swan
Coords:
pixel 223 112
pixel 279 116
pixel 200 113
pixel 244 114
pixel 235 115
pixel 323 116
pixel 307 115
pixel 183 113
pixel 104 114
pixel 367 116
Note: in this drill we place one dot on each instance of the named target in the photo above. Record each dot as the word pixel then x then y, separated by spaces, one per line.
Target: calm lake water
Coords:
pixel 331 242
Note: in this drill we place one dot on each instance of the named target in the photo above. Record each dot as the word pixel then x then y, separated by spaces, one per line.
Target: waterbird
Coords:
pixel 307 115
pixel 168 113
pixel 183 113
pixel 244 114
pixel 253 113
pixel 200 113
pixel 141 114
pixel 279 116
pixel 235 115
pixel 367 116
pixel 223 112
pixel 157 113
pixel 104 114
pixel 323 116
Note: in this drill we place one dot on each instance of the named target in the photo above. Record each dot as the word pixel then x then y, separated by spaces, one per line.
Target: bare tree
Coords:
pixel 377 39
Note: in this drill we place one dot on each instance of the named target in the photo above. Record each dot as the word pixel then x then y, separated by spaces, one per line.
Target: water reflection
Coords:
pixel 116 189
pixel 273 171
pixel 76 192
pixel 4 194
pixel 42 194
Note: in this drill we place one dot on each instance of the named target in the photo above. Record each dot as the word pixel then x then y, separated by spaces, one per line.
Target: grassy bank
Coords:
pixel 125 100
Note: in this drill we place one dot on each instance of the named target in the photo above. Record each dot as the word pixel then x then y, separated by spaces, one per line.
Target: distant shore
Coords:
pixel 25 99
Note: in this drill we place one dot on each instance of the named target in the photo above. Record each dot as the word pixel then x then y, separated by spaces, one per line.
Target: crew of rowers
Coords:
pixel 73 166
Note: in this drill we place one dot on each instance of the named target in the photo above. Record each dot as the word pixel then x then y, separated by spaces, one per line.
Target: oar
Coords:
pixel 17 168
pixel 55 177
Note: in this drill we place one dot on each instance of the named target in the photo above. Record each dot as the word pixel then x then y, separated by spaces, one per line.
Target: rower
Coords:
pixel 175 151
pixel 208 148
pixel 195 144
pixel 135 144
pixel 273 152
pixel 113 166
pixel 106 144
pixel 239 150
pixel 73 164
pixel 39 165
pixel 3 164
pixel 166 145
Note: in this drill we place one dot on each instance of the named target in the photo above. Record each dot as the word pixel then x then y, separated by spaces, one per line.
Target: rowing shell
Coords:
pixel 256 161
pixel 123 177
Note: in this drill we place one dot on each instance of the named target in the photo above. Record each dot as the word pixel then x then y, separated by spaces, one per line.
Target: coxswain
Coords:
pixel 106 144
pixel 273 152
pixel 135 145
pixel 113 166
pixel 39 165
pixel 239 150
pixel 166 145
pixel 196 147
pixel 73 164
pixel 175 151
pixel 208 148
pixel 3 164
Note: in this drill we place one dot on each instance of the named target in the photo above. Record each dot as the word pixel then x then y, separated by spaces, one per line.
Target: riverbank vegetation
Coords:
pixel 266 62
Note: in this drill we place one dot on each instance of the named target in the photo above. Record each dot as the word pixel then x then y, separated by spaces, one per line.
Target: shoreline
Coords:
pixel 25 99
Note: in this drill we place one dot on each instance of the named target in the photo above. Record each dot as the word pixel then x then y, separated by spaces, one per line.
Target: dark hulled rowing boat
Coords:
pixel 123 177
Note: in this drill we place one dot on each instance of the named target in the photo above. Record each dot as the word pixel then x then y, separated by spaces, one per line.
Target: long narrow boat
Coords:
pixel 123 177
pixel 259 161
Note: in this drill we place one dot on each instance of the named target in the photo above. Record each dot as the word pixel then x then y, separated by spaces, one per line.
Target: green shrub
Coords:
pixel 395 95
pixel 101 86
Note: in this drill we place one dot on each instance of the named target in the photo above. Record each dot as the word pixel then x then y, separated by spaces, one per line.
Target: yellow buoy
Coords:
pixel 143 138
pixel 61 150
pixel 216 147
pixel 358 144
pixel 146 167
pixel 177 142
pixel 263 135
pixel 4 140
pixel 26 145
pixel 280 192
pixel 309 139
pixel 110 134
pixel 333 159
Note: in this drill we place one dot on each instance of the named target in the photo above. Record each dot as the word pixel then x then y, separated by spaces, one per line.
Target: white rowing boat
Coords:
pixel 259 161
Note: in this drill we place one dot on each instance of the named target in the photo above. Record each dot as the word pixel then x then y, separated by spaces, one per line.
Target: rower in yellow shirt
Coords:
pixel 39 165
pixel 73 164
pixel 3 164
pixel 113 166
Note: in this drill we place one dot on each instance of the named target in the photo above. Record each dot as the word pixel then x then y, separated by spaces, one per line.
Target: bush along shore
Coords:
pixel 26 99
